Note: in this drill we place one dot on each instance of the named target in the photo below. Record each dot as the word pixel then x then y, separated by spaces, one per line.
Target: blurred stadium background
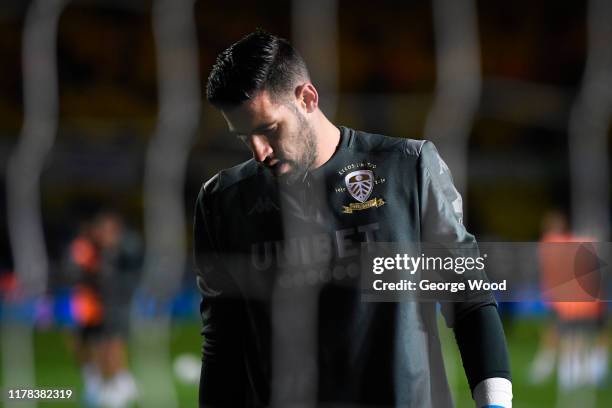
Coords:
pixel 101 106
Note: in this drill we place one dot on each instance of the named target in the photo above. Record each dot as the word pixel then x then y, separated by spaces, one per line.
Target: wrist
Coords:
pixel 493 393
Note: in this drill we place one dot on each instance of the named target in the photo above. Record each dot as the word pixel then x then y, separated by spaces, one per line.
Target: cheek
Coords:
pixel 291 127
pixel 286 140
pixel 286 148
pixel 290 142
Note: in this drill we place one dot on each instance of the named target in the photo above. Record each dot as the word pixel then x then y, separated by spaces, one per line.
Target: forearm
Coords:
pixel 223 378
pixel 481 340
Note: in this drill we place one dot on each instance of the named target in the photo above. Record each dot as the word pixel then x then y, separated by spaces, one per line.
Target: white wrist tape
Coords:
pixel 496 392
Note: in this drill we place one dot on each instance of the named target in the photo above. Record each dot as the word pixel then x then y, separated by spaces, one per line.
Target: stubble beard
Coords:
pixel 305 136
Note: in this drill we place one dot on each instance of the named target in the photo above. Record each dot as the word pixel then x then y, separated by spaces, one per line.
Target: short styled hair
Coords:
pixel 259 61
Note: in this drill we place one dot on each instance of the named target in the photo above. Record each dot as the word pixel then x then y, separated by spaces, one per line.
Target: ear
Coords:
pixel 307 97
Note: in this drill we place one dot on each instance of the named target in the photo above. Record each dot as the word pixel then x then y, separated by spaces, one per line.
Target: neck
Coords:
pixel 328 138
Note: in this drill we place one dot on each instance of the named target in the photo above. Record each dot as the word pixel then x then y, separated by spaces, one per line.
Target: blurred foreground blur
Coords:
pixel 100 108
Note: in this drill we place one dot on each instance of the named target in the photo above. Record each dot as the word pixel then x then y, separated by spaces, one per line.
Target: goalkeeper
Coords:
pixel 280 328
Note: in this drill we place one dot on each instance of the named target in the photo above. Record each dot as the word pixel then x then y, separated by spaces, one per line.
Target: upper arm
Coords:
pixel 205 249
pixel 441 203
pixel 441 211
pixel 222 312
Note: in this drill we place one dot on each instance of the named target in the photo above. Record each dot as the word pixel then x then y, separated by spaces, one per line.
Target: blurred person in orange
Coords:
pixel 575 341
pixel 103 263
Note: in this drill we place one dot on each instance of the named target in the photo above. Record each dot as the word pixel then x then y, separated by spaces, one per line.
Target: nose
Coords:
pixel 260 147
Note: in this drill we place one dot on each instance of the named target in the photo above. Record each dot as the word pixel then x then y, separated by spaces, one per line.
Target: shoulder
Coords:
pixel 372 142
pixel 228 178
pixel 431 161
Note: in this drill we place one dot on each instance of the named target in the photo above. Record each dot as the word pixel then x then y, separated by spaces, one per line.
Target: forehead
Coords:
pixel 253 113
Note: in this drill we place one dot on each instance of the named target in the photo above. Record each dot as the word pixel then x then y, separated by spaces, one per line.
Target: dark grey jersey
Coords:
pixel 284 321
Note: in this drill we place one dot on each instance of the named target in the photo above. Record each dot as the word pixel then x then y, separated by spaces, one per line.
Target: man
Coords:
pixel 103 263
pixel 576 340
pixel 276 246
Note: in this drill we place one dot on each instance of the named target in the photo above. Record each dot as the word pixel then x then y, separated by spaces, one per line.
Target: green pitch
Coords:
pixel 523 337
pixel 55 367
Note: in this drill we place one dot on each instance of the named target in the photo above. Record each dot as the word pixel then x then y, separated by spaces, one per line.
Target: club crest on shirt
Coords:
pixel 359 184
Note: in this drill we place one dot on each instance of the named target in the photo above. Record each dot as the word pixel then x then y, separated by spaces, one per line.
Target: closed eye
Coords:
pixel 268 131
pixel 271 131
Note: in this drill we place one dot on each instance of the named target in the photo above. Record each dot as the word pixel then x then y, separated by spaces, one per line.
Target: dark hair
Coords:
pixel 256 62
